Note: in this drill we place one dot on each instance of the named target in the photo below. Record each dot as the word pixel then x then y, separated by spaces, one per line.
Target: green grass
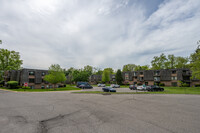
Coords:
pixel 68 88
pixel 168 90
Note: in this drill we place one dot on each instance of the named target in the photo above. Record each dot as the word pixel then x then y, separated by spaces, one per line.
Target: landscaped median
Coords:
pixel 68 88
pixel 168 90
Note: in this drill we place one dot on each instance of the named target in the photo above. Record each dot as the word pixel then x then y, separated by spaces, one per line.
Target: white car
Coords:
pixel 115 86
pixel 142 88
pixel 101 85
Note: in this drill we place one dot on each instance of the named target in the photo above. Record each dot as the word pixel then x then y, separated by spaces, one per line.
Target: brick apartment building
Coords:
pixel 33 77
pixel 169 77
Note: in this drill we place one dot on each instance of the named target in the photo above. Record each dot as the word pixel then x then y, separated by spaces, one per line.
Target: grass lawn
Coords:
pixel 67 88
pixel 168 90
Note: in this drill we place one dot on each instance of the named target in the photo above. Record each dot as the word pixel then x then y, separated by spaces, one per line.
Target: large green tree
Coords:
pixel 195 63
pixel 106 76
pixel 170 62
pixel 88 69
pixel 182 62
pixel 110 70
pixel 158 62
pixel 129 67
pixel 55 74
pixel 9 60
pixel 119 77
pixel 80 75
pixel 145 67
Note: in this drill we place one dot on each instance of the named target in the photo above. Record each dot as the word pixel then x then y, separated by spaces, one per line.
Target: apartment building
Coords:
pixel 33 77
pixel 169 77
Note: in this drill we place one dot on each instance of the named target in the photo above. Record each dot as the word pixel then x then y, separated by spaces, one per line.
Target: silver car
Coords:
pixel 101 85
pixel 115 86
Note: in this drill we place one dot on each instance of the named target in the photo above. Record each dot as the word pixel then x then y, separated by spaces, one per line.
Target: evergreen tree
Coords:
pixel 119 77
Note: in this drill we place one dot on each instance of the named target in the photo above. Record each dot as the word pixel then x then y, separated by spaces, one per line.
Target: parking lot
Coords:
pixel 117 89
pixel 66 112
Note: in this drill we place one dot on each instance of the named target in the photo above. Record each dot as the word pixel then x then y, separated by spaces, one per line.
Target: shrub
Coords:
pixel 12 84
pixel 185 85
pixel 19 86
pixel 26 87
pixel 139 84
pixel 197 85
pixel 161 84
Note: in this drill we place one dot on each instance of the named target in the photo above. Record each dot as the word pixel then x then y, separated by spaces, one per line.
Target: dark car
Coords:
pixel 132 87
pixel 80 83
pixel 154 88
pixel 85 86
pixel 108 89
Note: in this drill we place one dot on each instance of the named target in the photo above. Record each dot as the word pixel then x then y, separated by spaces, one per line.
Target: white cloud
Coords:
pixel 106 33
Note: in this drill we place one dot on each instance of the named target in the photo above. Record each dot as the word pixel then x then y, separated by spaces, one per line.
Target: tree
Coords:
pixel 9 60
pixel 69 73
pixel 88 69
pixel 159 62
pixel 195 62
pixel 145 67
pixel 129 67
pixel 106 76
pixel 55 74
pixel 119 77
pixel 80 75
pixel 110 70
pixel 171 62
pixel 182 62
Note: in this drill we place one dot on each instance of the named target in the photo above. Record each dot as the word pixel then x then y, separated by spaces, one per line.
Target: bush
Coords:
pixel 197 85
pixel 26 87
pixel 12 84
pixel 161 84
pixel 185 85
pixel 139 84
pixel 19 86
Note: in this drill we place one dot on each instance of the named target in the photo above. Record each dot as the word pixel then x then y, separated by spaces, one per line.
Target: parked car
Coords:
pixel 108 89
pixel 115 86
pixel 142 88
pixel 132 87
pixel 85 86
pixel 101 85
pixel 154 88
pixel 79 83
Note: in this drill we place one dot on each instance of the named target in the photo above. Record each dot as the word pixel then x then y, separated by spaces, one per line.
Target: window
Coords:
pixel 134 74
pixel 141 78
pixel 156 72
pixel 173 78
pixel 174 72
pixel 31 80
pixel 126 74
pixel 156 78
pixel 42 87
pixel 126 78
pixel 43 73
pixel 47 86
pixel 141 73
pixel 31 73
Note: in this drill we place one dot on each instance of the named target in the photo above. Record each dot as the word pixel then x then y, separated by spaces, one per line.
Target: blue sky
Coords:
pixel 100 33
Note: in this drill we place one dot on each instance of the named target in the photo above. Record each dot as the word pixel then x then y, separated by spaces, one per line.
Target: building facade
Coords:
pixel 168 77
pixel 33 77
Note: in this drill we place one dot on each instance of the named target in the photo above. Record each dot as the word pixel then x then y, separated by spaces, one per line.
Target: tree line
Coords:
pixel 10 60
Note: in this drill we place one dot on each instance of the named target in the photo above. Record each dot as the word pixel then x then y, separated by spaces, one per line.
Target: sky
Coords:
pixel 100 33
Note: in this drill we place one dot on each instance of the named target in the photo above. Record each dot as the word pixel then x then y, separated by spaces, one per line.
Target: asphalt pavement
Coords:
pixel 66 112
